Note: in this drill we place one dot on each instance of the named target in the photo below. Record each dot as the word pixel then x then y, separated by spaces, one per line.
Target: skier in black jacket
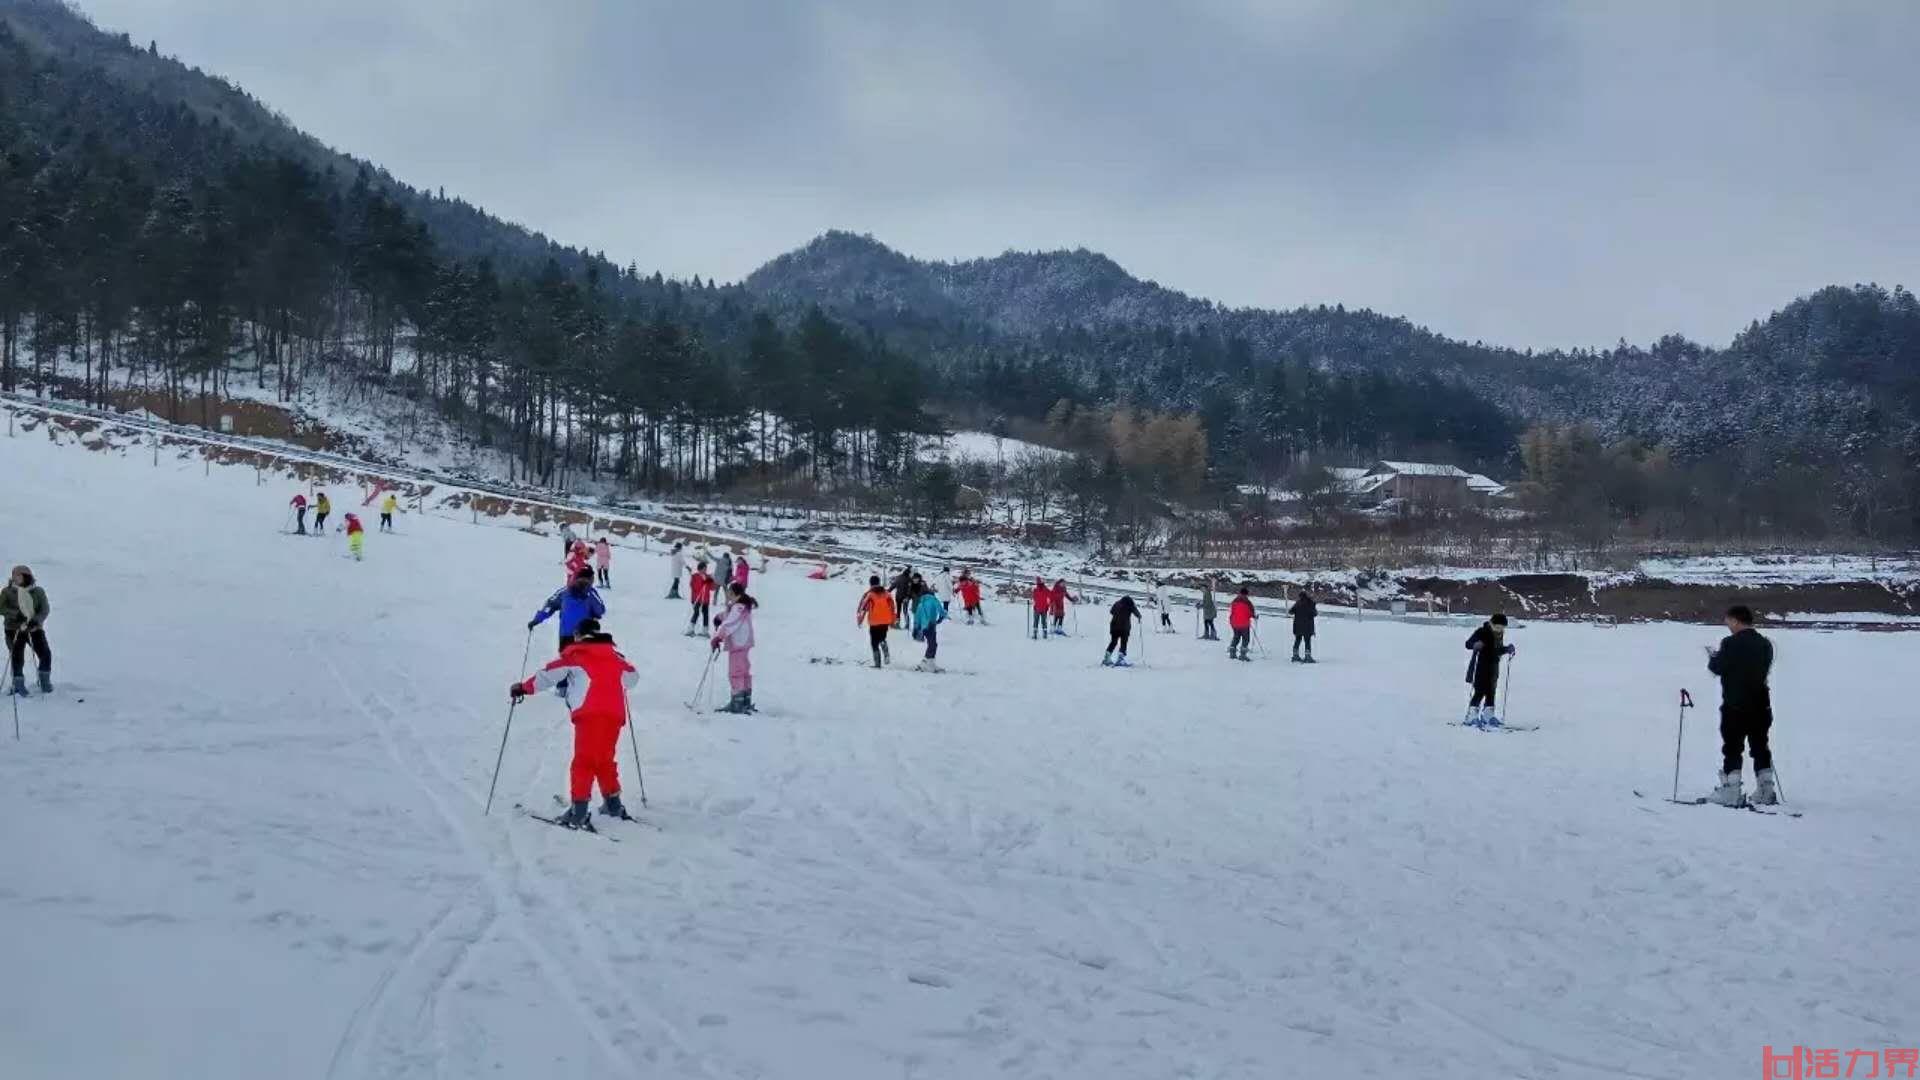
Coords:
pixel 1120 630
pixel 1488 645
pixel 1303 610
pixel 1743 661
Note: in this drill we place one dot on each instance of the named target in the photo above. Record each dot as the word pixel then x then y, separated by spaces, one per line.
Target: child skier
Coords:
pixel 1042 604
pixel 928 613
pixel 735 633
pixel 577 560
pixel 676 562
pixel 1743 662
pixel 299 504
pixel 322 506
pixel 700 589
pixel 723 570
pixel 1488 645
pixel 388 507
pixel 943 582
pixel 876 612
pixel 575 604
pixel 969 587
pixel 23 615
pixel 741 571
pixel 593 679
pixel 567 539
pixel 1058 605
pixel 1208 612
pixel 1120 630
pixel 356 537
pixel 1304 611
pixel 1240 619
pixel 603 562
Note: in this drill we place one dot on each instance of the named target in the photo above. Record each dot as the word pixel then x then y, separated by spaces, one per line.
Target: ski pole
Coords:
pixel 1506 692
pixel 693 702
pixel 639 775
pixel 1686 702
pixel 525 651
pixel 10 694
pixel 1257 641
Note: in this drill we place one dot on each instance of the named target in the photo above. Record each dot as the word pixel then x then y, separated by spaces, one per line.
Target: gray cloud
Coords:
pixel 1527 173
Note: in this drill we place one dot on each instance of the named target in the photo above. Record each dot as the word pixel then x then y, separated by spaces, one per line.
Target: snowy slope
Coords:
pixel 245 837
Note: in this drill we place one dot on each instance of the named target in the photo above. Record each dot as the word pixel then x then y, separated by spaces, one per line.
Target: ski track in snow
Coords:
pixel 265 821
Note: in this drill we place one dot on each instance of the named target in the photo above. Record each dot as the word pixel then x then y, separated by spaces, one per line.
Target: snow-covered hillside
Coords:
pixel 244 837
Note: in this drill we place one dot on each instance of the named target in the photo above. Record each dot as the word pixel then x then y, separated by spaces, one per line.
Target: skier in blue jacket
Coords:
pixel 928 613
pixel 575 604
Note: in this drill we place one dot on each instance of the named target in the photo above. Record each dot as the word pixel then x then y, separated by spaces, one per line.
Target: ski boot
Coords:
pixel 1766 791
pixel 1106 660
pixel 613 808
pixel 1728 792
pixel 46 680
pixel 1476 717
pixel 1295 658
pixel 1122 661
pixel 741 702
pixel 746 702
pixel 1489 719
pixel 576 817
pixel 19 686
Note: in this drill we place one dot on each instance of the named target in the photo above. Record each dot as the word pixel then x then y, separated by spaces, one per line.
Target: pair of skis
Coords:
pixel 590 830
pixel 1745 804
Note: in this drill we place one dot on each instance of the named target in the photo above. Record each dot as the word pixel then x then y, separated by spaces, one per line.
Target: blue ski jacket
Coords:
pixel 928 611
pixel 573 608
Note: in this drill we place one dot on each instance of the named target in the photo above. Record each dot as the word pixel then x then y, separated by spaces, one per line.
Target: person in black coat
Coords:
pixel 1488 644
pixel 1304 610
pixel 1120 630
pixel 1743 662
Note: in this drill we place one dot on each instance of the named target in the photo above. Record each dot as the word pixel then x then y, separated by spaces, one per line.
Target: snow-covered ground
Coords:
pixel 245 837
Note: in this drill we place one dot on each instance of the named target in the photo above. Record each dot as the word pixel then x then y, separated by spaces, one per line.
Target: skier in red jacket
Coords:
pixel 1042 604
pixel 969 588
pixel 593 679
pixel 1240 616
pixel 700 589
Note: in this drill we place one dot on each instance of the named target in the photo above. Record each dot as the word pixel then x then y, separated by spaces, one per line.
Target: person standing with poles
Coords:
pixel 1304 611
pixel 1058 599
pixel 603 562
pixel 1487 644
pixel 735 634
pixel 593 679
pixel 700 591
pixel 322 506
pixel 969 589
pixel 1743 661
pixel 299 504
pixel 1042 605
pixel 388 507
pixel 1208 612
pixel 23 614
pixel 1123 614
pixel 1240 619
pixel 1160 601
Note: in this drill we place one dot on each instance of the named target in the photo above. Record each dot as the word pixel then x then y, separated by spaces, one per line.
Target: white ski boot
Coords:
pixel 1728 792
pixel 1766 792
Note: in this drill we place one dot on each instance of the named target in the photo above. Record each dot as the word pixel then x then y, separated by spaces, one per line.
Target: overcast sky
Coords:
pixel 1529 173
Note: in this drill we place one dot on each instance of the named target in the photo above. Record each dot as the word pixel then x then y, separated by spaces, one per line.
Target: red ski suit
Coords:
pixel 1042 597
pixel 597 679
pixel 969 592
pixel 1240 615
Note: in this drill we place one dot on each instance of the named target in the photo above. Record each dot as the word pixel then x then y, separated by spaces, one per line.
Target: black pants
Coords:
pixel 1483 692
pixel 1039 624
pixel 320 521
pixel 386 522
pixel 300 520
pixel 37 637
pixel 1117 637
pixel 1239 642
pixel 1166 619
pixel 1736 726
pixel 1210 633
pixel 877 641
pixel 673 590
pixel 701 615
pixel 1302 639
pixel 606 579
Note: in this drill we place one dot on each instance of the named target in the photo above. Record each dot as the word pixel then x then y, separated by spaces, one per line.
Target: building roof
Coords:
pixel 1418 468
pixel 1485 485
pixel 1344 472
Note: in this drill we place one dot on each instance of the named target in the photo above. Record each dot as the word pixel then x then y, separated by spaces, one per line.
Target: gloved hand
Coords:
pixel 1510 651
pixel 533 623
pixel 516 691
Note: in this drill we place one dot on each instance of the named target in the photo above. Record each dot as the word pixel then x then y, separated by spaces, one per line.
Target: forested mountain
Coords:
pixel 158 223
pixel 1819 405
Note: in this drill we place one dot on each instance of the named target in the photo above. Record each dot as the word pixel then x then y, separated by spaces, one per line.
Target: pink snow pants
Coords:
pixel 739 670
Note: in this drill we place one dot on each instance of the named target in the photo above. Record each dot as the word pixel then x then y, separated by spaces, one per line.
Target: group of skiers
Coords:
pixel 350 522
pixel 913 605
pixel 23 615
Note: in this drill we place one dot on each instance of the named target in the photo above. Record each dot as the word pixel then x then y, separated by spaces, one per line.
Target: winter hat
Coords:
pixel 583 574
pixel 1499 619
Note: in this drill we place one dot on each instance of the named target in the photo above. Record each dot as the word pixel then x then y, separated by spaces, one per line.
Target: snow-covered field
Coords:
pixel 245 837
